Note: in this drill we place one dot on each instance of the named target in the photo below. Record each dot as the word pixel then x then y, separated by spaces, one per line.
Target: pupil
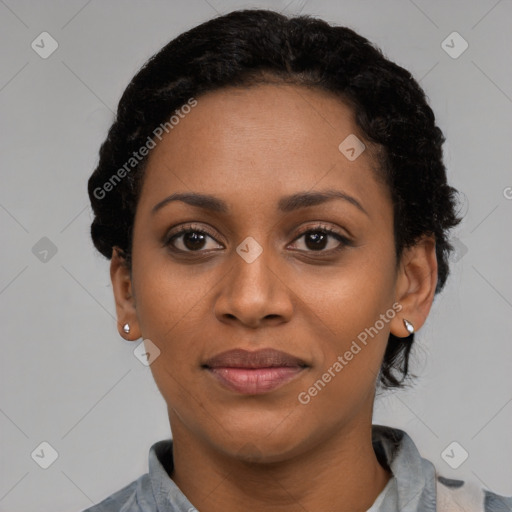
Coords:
pixel 316 236
pixel 193 240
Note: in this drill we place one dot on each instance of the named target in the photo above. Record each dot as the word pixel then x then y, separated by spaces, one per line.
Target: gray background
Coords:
pixel 67 377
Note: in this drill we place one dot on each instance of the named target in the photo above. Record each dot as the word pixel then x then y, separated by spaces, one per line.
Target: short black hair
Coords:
pixel 251 46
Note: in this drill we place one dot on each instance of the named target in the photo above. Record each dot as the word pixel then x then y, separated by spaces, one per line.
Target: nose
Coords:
pixel 254 294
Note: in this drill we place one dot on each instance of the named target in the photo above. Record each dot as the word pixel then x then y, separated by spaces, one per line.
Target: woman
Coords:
pixel 274 203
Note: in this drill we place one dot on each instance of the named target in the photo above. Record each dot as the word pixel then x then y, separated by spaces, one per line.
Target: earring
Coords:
pixel 126 328
pixel 408 326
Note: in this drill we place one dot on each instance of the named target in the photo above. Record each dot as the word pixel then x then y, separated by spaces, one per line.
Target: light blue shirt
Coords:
pixel 416 486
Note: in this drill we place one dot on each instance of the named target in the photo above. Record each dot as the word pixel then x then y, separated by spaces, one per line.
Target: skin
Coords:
pixel 269 452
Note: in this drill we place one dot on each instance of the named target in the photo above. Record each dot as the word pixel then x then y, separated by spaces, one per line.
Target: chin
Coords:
pixel 262 442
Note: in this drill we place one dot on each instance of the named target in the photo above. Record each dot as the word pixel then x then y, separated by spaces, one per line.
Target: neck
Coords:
pixel 341 473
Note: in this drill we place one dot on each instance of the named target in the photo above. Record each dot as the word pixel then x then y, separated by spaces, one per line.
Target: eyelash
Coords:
pixel 344 241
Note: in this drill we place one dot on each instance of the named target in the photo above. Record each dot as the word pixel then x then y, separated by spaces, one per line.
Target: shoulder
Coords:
pixel 417 476
pixel 131 498
pixel 468 496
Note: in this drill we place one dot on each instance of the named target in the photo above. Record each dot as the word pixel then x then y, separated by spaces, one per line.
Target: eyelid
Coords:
pixel 322 226
pixel 318 226
pixel 180 230
pixel 344 240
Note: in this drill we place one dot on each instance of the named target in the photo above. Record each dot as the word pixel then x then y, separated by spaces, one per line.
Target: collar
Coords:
pixel 411 489
pixel 413 485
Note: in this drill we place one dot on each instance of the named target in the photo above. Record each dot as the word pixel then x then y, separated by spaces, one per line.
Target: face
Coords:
pixel 268 268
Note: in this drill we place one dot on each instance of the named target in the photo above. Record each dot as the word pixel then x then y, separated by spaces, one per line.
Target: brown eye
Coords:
pixel 320 239
pixel 189 239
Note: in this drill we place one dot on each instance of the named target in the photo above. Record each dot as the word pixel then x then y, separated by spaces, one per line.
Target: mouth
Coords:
pixel 254 373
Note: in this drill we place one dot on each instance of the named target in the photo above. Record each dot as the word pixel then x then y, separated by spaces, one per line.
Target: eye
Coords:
pixel 189 239
pixel 316 239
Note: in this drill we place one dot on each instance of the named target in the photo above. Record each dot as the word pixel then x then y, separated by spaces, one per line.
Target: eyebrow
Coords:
pixel 286 204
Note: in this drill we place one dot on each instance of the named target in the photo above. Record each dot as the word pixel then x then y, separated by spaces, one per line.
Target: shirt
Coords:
pixel 416 485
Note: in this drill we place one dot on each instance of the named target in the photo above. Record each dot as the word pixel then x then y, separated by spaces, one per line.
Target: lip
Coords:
pixel 254 372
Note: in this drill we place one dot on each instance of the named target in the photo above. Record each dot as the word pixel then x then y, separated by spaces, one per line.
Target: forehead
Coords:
pixel 259 143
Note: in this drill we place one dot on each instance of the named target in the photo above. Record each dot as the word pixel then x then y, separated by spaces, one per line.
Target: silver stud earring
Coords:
pixel 408 326
pixel 126 328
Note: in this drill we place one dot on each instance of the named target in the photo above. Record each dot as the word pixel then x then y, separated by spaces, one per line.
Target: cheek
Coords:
pixel 350 352
pixel 352 311
pixel 351 297
pixel 167 296
pixel 171 312
pixel 165 318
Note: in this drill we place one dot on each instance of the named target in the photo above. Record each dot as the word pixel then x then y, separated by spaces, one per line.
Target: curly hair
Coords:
pixel 247 47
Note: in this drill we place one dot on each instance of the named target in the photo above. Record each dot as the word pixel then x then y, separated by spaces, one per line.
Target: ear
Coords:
pixel 125 301
pixel 415 285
